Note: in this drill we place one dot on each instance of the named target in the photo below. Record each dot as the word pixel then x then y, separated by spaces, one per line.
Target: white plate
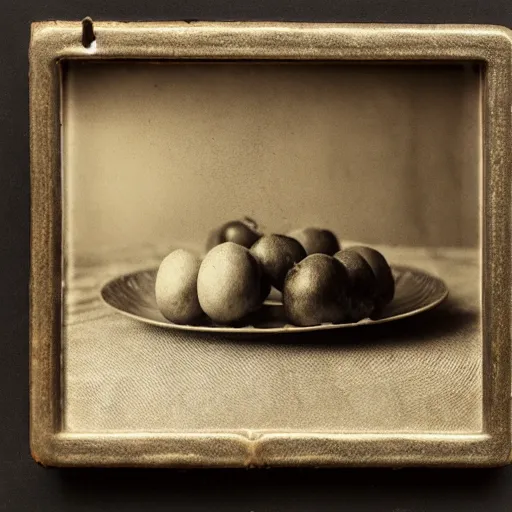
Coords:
pixel 133 295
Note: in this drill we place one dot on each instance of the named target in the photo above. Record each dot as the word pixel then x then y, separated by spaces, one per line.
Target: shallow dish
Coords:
pixel 133 295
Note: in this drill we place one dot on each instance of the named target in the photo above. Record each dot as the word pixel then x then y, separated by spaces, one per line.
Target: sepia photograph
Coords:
pixel 258 247
pixel 265 261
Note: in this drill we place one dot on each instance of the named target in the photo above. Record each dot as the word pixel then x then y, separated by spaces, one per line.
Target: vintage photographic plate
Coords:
pixel 197 140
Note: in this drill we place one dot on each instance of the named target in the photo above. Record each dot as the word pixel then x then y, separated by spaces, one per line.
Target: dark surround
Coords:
pixel 24 485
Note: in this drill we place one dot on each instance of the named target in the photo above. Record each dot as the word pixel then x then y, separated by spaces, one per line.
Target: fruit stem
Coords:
pixel 251 222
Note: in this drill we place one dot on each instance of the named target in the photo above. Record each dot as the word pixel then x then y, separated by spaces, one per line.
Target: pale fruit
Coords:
pixel 277 254
pixel 316 240
pixel 315 291
pixel 242 232
pixel 362 284
pixel 176 287
pixel 229 283
pixel 385 282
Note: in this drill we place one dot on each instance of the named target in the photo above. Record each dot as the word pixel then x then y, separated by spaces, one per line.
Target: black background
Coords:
pixel 26 486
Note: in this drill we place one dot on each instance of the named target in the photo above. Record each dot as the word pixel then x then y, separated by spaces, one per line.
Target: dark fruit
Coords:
pixel 315 291
pixel 317 241
pixel 277 255
pixel 242 232
pixel 362 284
pixel 385 290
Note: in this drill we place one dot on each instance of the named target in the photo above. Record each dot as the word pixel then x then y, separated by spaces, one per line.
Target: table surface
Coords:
pixel 418 374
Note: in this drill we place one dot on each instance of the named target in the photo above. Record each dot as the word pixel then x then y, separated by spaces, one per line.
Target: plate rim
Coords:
pixel 288 329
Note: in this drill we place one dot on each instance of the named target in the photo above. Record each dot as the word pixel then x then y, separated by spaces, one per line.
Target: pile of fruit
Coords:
pixel 320 282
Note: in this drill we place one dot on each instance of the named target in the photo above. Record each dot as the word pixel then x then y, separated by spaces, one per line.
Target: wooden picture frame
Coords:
pixel 53 43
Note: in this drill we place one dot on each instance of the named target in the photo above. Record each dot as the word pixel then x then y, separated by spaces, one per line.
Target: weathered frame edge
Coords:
pixel 52 42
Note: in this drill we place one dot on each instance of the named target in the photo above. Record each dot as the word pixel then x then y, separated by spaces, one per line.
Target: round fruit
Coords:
pixel 385 282
pixel 176 287
pixel 277 255
pixel 362 284
pixel 315 291
pixel 317 241
pixel 242 232
pixel 229 283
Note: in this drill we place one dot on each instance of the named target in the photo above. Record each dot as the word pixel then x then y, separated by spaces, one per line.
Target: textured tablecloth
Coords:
pixel 419 374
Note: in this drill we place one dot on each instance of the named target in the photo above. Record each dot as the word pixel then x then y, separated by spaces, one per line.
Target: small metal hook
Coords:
pixel 87 32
